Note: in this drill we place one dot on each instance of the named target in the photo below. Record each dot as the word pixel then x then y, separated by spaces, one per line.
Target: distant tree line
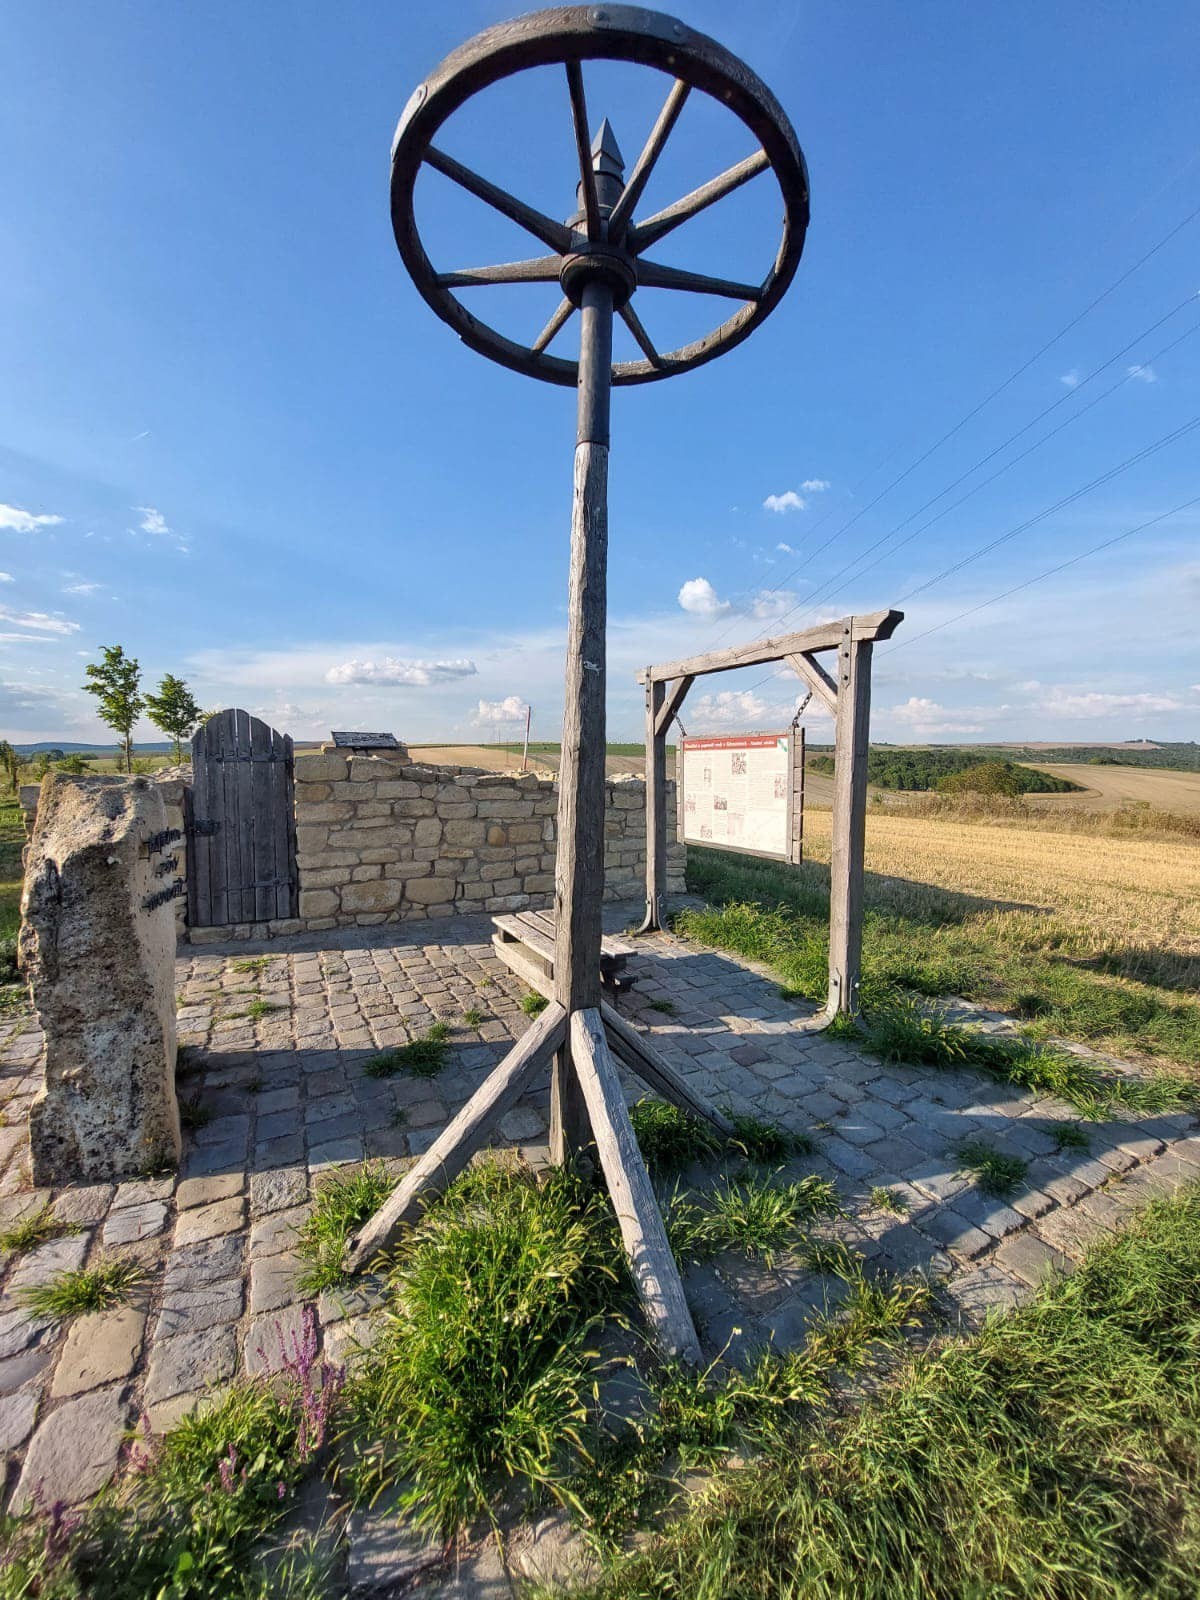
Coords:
pixel 890 767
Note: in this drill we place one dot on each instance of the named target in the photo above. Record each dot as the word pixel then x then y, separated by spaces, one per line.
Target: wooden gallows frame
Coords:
pixel 599 256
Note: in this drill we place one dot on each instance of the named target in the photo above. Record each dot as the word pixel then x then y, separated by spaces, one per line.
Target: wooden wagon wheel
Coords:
pixel 605 237
pixel 600 259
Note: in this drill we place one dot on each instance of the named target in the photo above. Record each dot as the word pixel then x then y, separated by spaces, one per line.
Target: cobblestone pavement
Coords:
pixel 274 1040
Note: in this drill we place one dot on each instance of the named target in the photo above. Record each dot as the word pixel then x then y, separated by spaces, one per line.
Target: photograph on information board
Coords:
pixel 737 792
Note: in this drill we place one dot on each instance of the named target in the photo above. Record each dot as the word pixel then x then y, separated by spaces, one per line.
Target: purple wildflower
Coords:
pixel 318 1382
pixel 226 1468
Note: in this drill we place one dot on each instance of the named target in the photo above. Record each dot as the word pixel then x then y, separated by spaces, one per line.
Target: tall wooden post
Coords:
pixel 852 731
pixel 656 806
pixel 579 873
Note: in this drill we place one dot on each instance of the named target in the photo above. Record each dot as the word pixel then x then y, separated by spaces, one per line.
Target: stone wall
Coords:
pixel 381 838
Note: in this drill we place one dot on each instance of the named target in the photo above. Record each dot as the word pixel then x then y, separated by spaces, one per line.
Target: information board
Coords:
pixel 742 791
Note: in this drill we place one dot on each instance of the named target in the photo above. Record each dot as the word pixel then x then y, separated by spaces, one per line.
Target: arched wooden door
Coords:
pixel 242 833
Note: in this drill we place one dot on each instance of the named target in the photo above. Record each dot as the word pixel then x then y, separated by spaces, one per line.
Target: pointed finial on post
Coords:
pixel 609 166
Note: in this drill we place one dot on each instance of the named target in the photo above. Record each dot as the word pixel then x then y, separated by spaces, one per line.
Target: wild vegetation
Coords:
pixel 904 767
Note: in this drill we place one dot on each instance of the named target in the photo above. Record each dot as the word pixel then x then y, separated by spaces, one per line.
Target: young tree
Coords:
pixel 116 683
pixel 174 710
pixel 10 764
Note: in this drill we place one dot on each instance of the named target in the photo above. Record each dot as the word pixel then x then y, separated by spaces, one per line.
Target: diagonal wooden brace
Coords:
pixel 655 1275
pixel 458 1142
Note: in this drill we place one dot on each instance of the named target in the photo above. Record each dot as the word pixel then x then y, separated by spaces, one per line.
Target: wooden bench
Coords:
pixel 524 941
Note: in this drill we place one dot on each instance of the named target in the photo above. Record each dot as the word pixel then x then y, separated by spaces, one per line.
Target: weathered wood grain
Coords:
pixel 848 836
pixel 458 1142
pixel 827 636
pixel 640 1056
pixel 655 1275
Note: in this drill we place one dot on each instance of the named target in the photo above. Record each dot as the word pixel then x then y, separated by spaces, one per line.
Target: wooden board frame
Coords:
pixel 787 854
pixel 847 694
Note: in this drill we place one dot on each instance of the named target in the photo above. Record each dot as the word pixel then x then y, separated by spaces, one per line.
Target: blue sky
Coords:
pixel 233 438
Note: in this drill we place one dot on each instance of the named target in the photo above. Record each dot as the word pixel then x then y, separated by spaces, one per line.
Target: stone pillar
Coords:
pixel 99 955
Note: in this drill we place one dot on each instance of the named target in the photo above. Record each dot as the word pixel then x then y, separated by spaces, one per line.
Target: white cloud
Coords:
pixel 412 674
pixel 81 588
pixel 31 638
pixel 153 521
pixel 511 709
pixel 1144 374
pixel 789 500
pixel 41 620
pixel 926 717
pixel 770 604
pixel 18 521
pixel 727 708
pixel 700 599
pixel 785 548
pixel 6 577
pixel 1096 703
pixel 1070 380
pixel 816 485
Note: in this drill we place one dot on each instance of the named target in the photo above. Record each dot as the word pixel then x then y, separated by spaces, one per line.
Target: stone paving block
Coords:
pixel 278 1230
pixel 194 1192
pixel 989 1213
pixel 385 1554
pixel 225 1130
pixel 15 1371
pixel 74 1451
pixel 847 1158
pixel 101 1348
pixel 1033 1203
pixel 988 1291
pixel 134 1222
pixel 1032 1259
pixel 274 1153
pixel 273 1281
pixel 955 1232
pixel 83 1206
pixel 1066 1232
pixel 189 1362
pixel 142 1191
pixel 938 1178
pixel 17 1412
pixel 200 1162
pixel 336 1153
pixel 48 1260
pixel 199 1265
pixel 209 1222
pixel 1107 1209
pixel 895 1154
pixel 20 1329
pixel 206 1306
pixel 270 1338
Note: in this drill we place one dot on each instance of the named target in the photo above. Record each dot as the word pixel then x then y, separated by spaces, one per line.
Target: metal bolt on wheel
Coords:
pixel 605 239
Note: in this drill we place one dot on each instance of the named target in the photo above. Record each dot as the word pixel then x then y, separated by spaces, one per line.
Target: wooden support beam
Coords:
pixel 656 808
pixel 675 696
pixel 458 1142
pixel 640 1056
pixel 797 841
pixel 851 737
pixel 827 636
pixel 806 666
pixel 655 1274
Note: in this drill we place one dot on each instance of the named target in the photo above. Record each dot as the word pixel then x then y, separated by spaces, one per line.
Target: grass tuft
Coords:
pixel 885 1199
pixel 533 1004
pixel 473 1017
pixel 994 1170
pixel 670 1138
pixel 193 1113
pixel 480 1372
pixel 343 1201
pixel 751 1215
pixel 33 1229
pixel 420 1058
pixel 111 1282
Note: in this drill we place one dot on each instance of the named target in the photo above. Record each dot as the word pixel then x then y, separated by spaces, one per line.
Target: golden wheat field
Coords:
pixel 1109 788
pixel 1146 891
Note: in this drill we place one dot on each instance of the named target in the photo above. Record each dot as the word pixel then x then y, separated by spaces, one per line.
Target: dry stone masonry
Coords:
pixel 98 948
pixel 381 838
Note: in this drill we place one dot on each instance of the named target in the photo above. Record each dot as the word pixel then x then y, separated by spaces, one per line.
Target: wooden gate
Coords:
pixel 242 826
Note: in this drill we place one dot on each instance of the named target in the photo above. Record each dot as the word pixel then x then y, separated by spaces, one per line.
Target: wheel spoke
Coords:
pixel 653 275
pixel 555 234
pixel 583 145
pixel 640 176
pixel 632 321
pixel 653 229
pixel 553 327
pixel 540 269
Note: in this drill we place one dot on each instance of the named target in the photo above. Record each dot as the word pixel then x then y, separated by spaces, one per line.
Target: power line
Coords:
pixel 1048 511
pixel 987 399
pixel 1050 572
pixel 823 593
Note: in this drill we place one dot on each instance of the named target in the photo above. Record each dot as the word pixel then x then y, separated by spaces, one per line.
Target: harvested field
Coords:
pixel 1109 788
pixel 1145 891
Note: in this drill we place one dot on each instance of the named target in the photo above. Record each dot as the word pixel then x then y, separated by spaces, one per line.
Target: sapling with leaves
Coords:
pixel 174 710
pixel 116 683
